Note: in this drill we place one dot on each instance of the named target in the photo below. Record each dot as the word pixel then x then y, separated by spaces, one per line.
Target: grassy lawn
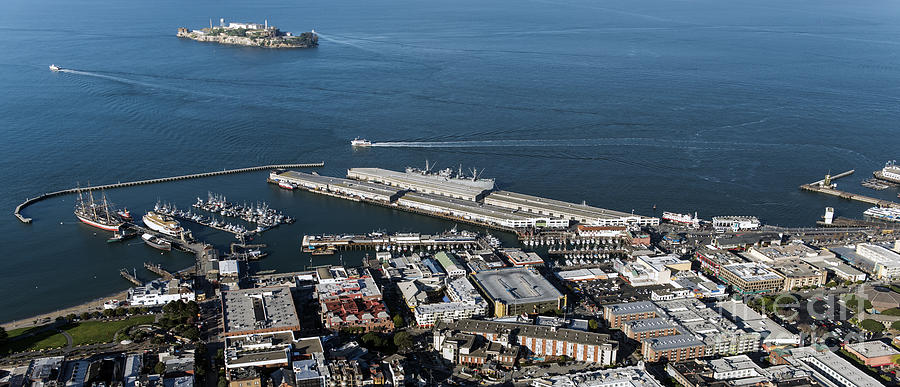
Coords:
pixel 93 332
pixel 45 339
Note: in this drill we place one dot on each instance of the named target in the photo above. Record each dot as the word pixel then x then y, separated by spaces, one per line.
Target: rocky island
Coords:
pixel 250 34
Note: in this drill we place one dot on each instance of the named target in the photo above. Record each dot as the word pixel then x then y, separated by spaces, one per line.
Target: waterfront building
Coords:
pixel 345 187
pixel 581 275
pixel 580 213
pixel 633 376
pixel 519 258
pixel 259 310
pixel 798 274
pixel 354 302
pixel 735 223
pixel 539 340
pixel 450 265
pixel 161 292
pixel 516 291
pixel 472 190
pixel 751 278
pixel 479 212
pixel 480 260
pixel 608 232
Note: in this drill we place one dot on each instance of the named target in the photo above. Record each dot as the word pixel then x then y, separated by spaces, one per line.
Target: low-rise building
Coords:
pixel 883 262
pixel 647 270
pixel 841 270
pixel 517 257
pixel 873 353
pixel 799 274
pixel 450 265
pixel 736 371
pixel 751 278
pixel 516 291
pixel 673 348
pixel 616 315
pixel 353 303
pixel 771 333
pixel 581 275
pixel 828 368
pixel 735 223
pixel 712 260
pixel 259 310
pixel 634 376
pixel 539 340
pixel 651 327
pixel 161 292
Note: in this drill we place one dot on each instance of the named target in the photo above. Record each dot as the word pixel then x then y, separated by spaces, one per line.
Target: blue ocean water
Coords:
pixel 699 105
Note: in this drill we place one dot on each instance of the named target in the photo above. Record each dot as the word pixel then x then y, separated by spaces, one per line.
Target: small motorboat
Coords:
pixel 157 242
pixel 54 67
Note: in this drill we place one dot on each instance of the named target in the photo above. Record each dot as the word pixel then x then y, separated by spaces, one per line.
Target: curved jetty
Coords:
pixel 28 202
pixel 250 34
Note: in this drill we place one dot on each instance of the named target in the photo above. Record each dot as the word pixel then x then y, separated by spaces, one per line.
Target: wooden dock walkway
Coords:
pixel 158 270
pixel 826 186
pixel 30 201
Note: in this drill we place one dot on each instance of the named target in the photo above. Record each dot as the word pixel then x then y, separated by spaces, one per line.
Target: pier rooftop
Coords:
pixel 355 188
pixel 259 310
pixel 481 212
pixel 424 183
pixel 555 208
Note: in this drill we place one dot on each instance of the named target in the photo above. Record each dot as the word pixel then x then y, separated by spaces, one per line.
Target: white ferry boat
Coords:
pixel 889 214
pixel 164 224
pixel 890 172
pixel 361 142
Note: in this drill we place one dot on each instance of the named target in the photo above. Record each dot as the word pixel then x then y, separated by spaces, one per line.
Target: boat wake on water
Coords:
pixel 136 82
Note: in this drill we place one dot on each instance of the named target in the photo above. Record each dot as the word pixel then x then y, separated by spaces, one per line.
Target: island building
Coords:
pixel 354 302
pixel 735 223
pixel 824 366
pixel 751 278
pixel 798 274
pixel 161 292
pixel 633 376
pixel 873 353
pixel 536 340
pixel 516 291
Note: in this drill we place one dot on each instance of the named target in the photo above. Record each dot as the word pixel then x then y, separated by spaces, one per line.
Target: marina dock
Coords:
pixel 30 201
pixel 131 277
pixel 827 187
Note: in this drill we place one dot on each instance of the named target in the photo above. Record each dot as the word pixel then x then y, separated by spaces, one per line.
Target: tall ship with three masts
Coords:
pixel 99 214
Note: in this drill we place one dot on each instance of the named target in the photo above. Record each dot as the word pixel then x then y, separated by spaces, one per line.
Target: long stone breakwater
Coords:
pixel 30 201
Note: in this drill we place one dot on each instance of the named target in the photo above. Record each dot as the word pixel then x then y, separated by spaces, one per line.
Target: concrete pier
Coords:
pixel 850 196
pixel 29 201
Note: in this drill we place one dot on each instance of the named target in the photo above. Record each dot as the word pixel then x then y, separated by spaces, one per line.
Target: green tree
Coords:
pixel 593 325
pixel 872 325
pixel 160 368
pixel 399 322
pixel 892 312
pixel 71 317
pixel 403 340
pixel 86 315
pixel 895 325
